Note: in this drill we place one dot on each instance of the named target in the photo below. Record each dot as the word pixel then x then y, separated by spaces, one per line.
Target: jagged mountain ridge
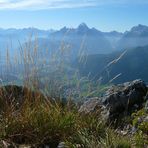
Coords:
pixel 137 36
pixel 80 40
pixel 88 40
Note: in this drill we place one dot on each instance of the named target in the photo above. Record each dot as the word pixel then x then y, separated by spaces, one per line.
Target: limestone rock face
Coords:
pixel 119 99
pixel 90 106
pixel 125 97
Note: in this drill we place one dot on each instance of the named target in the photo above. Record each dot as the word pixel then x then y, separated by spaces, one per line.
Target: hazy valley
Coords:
pixel 92 52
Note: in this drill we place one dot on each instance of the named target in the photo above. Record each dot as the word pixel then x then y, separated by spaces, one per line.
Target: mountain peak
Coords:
pixel 64 29
pixel 139 28
pixel 140 25
pixel 83 26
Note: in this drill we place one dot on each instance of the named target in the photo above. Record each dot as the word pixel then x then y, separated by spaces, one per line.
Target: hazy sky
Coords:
pixel 105 15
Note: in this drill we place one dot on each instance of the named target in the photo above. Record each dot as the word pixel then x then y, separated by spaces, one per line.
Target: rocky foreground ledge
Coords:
pixel 118 101
pixel 122 99
pixel 123 106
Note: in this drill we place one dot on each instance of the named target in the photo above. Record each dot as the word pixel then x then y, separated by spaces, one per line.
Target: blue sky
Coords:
pixel 105 15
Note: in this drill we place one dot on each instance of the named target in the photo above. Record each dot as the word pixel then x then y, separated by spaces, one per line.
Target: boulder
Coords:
pixel 94 106
pixel 125 98
pixel 90 106
pixel 119 99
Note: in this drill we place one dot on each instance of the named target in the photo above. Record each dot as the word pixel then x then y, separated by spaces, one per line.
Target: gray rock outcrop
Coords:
pixel 119 99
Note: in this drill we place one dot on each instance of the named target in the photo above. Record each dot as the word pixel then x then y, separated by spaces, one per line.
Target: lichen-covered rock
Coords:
pixel 123 98
pixel 90 106
pixel 94 106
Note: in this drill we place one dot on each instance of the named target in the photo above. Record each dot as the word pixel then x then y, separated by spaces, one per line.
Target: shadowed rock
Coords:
pixel 123 98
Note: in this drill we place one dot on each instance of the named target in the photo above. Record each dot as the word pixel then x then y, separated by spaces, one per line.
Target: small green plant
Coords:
pixel 139 139
pixel 139 120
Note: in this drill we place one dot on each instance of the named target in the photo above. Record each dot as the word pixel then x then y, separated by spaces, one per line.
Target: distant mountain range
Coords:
pixel 116 67
pixel 112 56
pixel 12 38
pixel 137 36
pixel 80 40
pixel 83 40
